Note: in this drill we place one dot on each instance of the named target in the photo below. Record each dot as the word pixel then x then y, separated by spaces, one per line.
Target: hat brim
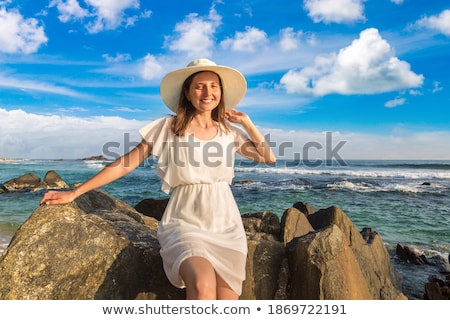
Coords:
pixel 234 85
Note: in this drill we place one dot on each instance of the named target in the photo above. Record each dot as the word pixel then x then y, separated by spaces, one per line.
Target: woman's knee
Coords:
pixel 199 277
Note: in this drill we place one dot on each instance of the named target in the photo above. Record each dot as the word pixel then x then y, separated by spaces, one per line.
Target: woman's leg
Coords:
pixel 224 291
pixel 200 278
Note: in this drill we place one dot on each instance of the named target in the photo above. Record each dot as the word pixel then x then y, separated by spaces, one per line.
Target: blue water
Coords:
pixel 406 202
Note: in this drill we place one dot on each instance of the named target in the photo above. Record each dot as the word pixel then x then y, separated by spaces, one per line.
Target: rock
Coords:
pixel 262 225
pixel 31 182
pixel 24 182
pixel 242 182
pixel 101 248
pixel 294 223
pixel 324 267
pixel 52 180
pixel 94 248
pixel 152 207
pixel 304 207
pixel 437 289
pixel 336 262
pixel 95 158
pixel 410 254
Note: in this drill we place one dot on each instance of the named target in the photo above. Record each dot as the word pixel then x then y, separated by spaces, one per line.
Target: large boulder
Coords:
pixel 94 248
pixel 101 248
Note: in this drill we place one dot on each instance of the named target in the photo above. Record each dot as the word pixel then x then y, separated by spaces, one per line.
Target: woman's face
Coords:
pixel 205 92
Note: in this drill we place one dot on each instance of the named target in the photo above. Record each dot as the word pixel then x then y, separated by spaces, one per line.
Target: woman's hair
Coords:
pixel 186 111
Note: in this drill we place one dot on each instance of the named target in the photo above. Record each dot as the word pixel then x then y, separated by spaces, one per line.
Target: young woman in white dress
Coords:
pixel 203 242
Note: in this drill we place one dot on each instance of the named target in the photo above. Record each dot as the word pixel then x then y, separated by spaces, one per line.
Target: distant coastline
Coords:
pixel 3 159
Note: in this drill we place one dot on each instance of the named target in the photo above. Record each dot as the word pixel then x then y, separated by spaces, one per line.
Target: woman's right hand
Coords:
pixel 58 197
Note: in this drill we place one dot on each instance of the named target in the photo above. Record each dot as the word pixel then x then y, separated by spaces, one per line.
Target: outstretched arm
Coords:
pixel 257 148
pixel 115 170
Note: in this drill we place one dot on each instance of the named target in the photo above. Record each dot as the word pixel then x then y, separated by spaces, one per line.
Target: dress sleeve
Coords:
pixel 240 136
pixel 159 135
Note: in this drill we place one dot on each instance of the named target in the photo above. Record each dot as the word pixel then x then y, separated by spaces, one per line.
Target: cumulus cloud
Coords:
pixel 18 34
pixel 248 41
pixel 151 68
pixel 28 135
pixel 99 15
pixel 195 34
pixel 338 11
pixel 69 10
pixel 33 136
pixel 289 39
pixel 439 23
pixel 367 66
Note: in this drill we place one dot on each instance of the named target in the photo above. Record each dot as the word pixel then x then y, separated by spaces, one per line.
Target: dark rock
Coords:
pixel 304 207
pixel 262 222
pixel 152 207
pixel 24 182
pixel 31 182
pixel 241 182
pixel 410 254
pixel 95 158
pixel 437 289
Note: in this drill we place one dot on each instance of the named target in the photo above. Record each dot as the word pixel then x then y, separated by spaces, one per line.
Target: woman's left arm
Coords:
pixel 257 148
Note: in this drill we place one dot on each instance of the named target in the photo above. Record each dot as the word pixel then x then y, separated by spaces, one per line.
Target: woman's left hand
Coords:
pixel 236 116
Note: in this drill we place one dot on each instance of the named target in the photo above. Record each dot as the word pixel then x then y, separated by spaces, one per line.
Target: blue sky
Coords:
pixel 77 74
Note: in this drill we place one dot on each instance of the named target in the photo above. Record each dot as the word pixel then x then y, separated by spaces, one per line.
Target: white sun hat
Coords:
pixel 234 84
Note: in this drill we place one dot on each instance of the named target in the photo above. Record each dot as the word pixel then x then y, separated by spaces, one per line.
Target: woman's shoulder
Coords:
pixel 156 127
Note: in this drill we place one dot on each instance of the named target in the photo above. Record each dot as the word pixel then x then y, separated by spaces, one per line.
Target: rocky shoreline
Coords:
pixel 98 247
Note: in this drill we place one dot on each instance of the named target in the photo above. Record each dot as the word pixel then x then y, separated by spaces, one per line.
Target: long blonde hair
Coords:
pixel 186 111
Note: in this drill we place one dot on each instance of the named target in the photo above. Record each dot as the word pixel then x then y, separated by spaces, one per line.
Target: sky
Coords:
pixel 349 79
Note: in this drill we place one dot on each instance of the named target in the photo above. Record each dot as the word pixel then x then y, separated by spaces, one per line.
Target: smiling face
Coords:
pixel 205 91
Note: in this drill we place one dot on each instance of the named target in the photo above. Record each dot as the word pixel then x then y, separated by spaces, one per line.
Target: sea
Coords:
pixel 406 202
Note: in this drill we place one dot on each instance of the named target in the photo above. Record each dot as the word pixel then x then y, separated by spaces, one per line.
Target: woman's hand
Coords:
pixel 58 197
pixel 236 116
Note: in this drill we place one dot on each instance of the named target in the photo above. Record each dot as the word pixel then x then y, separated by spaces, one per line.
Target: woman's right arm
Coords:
pixel 115 170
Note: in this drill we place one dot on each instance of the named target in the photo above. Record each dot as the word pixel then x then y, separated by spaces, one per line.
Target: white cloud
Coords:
pixel 440 23
pixel 195 35
pixel 399 144
pixel 289 39
pixel 397 1
pixel 99 15
pixel 26 84
pixel 338 11
pixel 20 35
pixel 151 69
pixel 248 41
pixel 33 136
pixel 27 135
pixel 394 103
pixel 69 10
pixel 366 66
pixel 118 58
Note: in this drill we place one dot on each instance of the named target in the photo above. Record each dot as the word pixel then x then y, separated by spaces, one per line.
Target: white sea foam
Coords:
pixel 93 164
pixel 357 173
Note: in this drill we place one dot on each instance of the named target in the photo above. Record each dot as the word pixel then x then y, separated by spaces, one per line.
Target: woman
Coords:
pixel 203 242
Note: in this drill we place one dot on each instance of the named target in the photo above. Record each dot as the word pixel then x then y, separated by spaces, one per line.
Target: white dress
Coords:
pixel 201 218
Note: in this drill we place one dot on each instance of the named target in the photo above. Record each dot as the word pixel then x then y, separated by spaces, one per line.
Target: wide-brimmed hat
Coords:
pixel 234 84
